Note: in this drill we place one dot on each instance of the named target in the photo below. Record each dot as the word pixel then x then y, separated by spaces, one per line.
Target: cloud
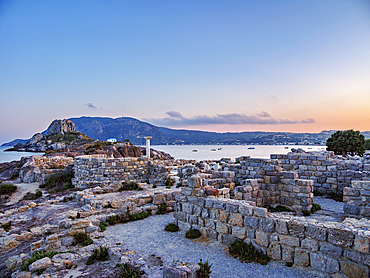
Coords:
pixel 90 105
pixel 176 119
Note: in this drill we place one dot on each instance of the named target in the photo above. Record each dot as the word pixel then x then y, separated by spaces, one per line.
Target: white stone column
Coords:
pixel 148 146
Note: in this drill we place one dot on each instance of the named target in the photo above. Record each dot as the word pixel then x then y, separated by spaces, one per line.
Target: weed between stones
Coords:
pixel 205 269
pixel 99 254
pixel 127 272
pixel 6 226
pixel 171 228
pixel 38 255
pixel 193 233
pixel 82 238
pixel 247 253
pixel 278 208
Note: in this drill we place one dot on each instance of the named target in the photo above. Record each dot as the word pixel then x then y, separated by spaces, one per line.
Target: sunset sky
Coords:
pixel 300 66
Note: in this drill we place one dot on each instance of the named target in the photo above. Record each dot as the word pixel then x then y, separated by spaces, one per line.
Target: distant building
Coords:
pixel 112 140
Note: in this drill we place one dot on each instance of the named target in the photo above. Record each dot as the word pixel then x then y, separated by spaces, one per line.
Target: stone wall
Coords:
pixel 329 172
pixel 330 247
pixel 101 170
pixel 357 199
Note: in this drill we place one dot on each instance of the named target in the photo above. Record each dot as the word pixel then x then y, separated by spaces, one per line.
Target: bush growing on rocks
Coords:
pixel 31 196
pixel 6 226
pixel 38 255
pixel 247 253
pixel 7 188
pixel 193 233
pixel 59 182
pixel 127 272
pixel 171 228
pixel 99 254
pixel 129 186
pixel 82 238
pixel 205 269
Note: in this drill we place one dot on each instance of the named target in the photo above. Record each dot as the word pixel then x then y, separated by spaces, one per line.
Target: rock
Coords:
pixel 60 127
pixel 40 264
pixel 32 204
pixel 24 236
pixel 11 262
pixel 67 241
pixel 22 274
pixel 63 260
pixel 35 138
pixel 23 208
pixel 353 270
pixel 30 172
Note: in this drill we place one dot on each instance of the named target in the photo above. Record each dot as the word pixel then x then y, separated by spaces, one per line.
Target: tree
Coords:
pixel 367 144
pixel 346 142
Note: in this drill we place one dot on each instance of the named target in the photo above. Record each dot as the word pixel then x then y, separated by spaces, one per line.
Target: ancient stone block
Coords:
pixel 187 208
pixel 287 253
pixel 40 264
pixel 251 222
pixel 361 244
pixel 310 244
pixel 351 209
pixel 301 257
pixel 222 228
pixel 289 240
pixel 246 210
pixel 224 216
pixel 239 232
pixel 262 239
pixel 236 219
pixel 324 263
pixel 259 212
pixel 281 226
pixel 331 250
pixel 267 225
pixel 232 206
pixel 340 237
pixel 353 270
pixel 296 229
pixel 316 232
pixel 274 251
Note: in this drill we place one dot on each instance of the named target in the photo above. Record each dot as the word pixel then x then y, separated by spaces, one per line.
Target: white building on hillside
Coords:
pixel 112 140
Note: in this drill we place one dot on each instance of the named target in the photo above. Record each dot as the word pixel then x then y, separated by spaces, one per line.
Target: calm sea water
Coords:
pixel 11 156
pixel 203 151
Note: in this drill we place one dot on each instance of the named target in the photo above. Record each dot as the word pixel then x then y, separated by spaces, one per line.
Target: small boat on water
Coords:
pixel 251 148
pixel 309 148
pixel 213 150
pixel 286 148
pixel 194 151
pixel 219 149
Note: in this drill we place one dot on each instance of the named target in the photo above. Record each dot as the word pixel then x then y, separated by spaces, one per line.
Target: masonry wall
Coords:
pixel 329 173
pixel 328 247
pixel 357 199
pixel 101 170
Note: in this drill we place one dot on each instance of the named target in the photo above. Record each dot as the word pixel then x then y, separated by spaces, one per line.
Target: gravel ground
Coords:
pixel 329 204
pixel 148 237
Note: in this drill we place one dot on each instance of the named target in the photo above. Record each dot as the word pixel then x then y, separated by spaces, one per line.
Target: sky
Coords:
pixel 226 66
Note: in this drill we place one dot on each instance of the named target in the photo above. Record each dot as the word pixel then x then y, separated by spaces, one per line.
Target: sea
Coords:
pixel 203 152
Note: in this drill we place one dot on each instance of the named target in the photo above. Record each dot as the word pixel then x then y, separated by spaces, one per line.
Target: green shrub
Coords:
pixel 193 233
pixel 162 209
pixel 154 185
pixel 7 188
pixel 127 272
pixel 138 216
pixel 336 196
pixel 315 207
pixel 59 181
pixel 168 182
pixel 171 228
pixel 49 152
pixel 82 238
pixel 31 196
pixel 131 186
pixel 99 254
pixel 37 255
pixel 15 174
pixel 6 226
pixel 289 264
pixel 317 193
pixel 205 269
pixel 103 226
pixel 278 208
pixel 115 219
pixel 179 185
pixel 306 212
pixel 247 253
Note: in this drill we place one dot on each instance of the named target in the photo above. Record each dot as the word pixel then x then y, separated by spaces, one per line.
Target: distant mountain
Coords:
pixel 135 130
pixel 120 128
pixel 14 142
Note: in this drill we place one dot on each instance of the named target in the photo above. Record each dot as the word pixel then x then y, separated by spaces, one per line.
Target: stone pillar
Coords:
pixel 148 146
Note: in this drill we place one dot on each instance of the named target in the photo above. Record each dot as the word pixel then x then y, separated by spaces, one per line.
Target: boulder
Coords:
pixel 60 127
pixel 30 172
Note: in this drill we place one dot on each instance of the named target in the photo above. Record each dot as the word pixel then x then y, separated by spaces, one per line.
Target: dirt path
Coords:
pixel 23 188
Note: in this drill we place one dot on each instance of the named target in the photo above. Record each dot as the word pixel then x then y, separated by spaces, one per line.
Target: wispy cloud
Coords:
pixel 176 119
pixel 90 105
